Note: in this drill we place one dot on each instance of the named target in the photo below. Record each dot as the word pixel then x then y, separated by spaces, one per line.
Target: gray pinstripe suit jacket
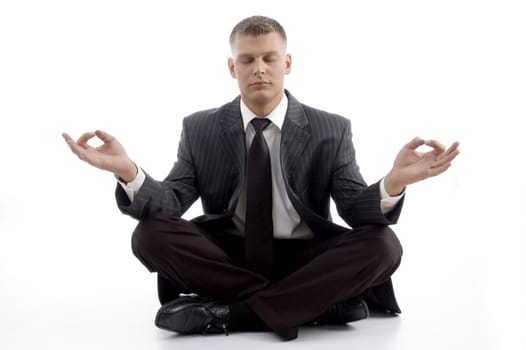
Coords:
pixel 317 159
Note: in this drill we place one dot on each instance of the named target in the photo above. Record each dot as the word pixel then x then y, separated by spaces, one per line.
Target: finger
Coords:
pixel 450 154
pixel 75 148
pixel 104 136
pixel 67 138
pixel 445 158
pixel 453 147
pixel 415 143
pixel 438 148
pixel 84 138
pixel 438 170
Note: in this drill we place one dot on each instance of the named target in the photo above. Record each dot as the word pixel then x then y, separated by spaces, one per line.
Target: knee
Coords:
pixel 387 248
pixel 380 244
pixel 158 234
pixel 147 238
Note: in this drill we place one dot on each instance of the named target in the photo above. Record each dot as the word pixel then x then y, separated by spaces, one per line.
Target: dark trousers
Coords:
pixel 309 275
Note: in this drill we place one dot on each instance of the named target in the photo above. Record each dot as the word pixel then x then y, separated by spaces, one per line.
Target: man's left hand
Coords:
pixel 411 166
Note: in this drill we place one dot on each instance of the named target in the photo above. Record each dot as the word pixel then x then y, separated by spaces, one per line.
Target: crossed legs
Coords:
pixel 309 275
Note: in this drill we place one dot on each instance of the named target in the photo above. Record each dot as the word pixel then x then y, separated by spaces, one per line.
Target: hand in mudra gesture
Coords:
pixel 110 156
pixel 411 165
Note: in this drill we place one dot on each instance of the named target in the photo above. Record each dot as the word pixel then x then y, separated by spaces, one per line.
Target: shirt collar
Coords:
pixel 277 116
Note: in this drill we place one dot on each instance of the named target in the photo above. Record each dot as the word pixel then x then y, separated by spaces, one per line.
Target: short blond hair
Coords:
pixel 257 25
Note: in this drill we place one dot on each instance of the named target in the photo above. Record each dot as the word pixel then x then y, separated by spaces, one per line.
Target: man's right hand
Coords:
pixel 110 156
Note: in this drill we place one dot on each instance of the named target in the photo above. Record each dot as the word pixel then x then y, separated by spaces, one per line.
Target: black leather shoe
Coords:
pixel 341 313
pixel 190 315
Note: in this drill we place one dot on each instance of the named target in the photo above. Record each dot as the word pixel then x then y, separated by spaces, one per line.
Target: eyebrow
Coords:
pixel 263 54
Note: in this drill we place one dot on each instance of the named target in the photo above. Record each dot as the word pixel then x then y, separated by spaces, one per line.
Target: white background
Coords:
pixel 450 70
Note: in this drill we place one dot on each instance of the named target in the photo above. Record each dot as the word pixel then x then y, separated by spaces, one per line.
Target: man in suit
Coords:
pixel 265 165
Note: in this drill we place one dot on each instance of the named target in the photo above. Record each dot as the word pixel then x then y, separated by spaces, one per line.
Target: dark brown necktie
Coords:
pixel 258 221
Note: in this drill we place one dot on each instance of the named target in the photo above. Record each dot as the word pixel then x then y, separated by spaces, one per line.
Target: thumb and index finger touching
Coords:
pixel 438 147
pixel 84 138
pixel 80 146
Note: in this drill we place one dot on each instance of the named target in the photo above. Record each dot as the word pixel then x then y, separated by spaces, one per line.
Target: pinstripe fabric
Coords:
pixel 317 158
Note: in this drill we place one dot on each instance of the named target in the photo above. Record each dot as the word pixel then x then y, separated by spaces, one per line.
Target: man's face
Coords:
pixel 260 64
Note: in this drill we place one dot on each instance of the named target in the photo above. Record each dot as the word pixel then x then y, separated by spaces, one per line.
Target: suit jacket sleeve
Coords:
pixel 172 196
pixel 357 203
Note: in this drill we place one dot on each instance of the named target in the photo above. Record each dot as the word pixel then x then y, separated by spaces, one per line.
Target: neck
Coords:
pixel 263 108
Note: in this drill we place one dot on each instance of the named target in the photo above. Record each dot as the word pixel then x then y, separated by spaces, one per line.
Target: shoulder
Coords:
pixel 199 117
pixel 324 122
pixel 319 115
pixel 213 115
pixel 315 116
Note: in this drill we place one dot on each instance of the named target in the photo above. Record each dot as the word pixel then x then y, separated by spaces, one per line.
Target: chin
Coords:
pixel 261 96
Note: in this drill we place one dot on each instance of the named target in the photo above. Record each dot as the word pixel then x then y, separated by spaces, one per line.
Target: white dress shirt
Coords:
pixel 286 220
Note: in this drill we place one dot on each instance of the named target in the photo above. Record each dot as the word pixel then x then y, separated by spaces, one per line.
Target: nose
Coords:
pixel 259 68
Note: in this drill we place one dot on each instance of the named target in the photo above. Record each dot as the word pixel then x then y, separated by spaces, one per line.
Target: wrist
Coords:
pixel 129 174
pixel 392 187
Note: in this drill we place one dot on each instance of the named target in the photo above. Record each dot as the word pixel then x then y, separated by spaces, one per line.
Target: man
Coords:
pixel 265 165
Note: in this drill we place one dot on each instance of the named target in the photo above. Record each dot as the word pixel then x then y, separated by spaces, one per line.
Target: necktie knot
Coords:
pixel 260 124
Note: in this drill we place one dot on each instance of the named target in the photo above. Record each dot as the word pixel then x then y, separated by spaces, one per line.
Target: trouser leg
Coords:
pixel 167 290
pixel 190 260
pixel 312 275
pixel 342 267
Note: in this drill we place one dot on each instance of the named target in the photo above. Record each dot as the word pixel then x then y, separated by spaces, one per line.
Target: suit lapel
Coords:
pixel 233 135
pixel 295 136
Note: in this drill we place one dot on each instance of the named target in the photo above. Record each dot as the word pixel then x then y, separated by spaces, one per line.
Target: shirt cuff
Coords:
pixel 387 202
pixel 131 188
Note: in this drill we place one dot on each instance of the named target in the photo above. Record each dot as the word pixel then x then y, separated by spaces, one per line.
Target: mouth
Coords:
pixel 259 83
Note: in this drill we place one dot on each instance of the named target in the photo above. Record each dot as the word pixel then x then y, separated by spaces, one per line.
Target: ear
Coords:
pixel 231 68
pixel 288 63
